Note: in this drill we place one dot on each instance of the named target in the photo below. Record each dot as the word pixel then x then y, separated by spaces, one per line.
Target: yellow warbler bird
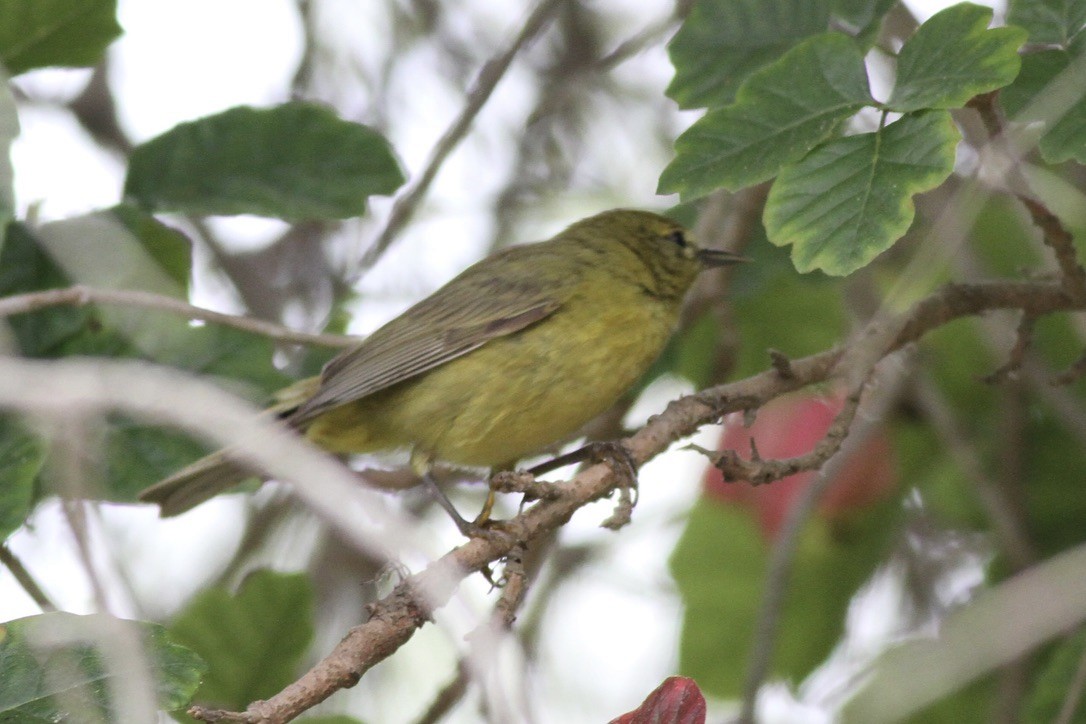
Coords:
pixel 515 354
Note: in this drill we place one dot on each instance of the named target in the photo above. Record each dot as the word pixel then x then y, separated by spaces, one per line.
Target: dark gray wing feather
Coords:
pixel 438 329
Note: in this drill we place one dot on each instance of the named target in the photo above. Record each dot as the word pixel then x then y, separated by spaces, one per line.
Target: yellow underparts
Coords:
pixel 558 374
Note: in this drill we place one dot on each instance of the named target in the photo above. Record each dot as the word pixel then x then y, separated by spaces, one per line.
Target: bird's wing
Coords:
pixel 438 329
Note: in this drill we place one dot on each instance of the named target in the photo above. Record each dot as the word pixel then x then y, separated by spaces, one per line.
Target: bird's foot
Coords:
pixel 481 527
pixel 612 452
pixel 622 464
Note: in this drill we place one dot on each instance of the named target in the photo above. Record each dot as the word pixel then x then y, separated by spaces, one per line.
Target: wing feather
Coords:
pixel 438 329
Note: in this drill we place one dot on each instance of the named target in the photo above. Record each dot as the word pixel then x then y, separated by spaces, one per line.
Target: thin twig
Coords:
pixel 1056 237
pixel 25 579
pixel 780 362
pixel 1072 373
pixel 1009 530
pixel 80 296
pixel 449 696
pixel 630 47
pixel 514 586
pixel 757 471
pixel 779 567
pixel 489 76
pixel 1022 341
pixel 1060 240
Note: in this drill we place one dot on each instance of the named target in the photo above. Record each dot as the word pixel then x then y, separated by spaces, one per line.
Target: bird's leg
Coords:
pixel 488 507
pixel 422 465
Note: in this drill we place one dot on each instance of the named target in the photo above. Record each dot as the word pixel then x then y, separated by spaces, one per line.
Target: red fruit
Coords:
pixel 790 426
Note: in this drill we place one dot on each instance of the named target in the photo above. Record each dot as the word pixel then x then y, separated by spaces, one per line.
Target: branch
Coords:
pixel 649 36
pixel 449 696
pixel 395 618
pixel 492 72
pixel 80 296
pixel 1056 237
pixel 1022 341
pixel 23 577
pixel 63 388
pixel 834 454
pixel 757 471
pixel 66 388
pixel 485 639
pixel 1075 372
pixel 1009 529
pixel 948 303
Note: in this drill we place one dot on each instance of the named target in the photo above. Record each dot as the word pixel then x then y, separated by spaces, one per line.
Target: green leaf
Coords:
pixel 137 456
pixel 168 247
pixel 780 113
pixel 719 567
pixel 1049 91
pixel 21 457
pixel 295 161
pixel 42 33
pixel 860 18
pixel 1049 21
pixel 953 57
pixel 154 258
pixel 689 354
pixel 851 199
pixel 253 640
pixel 796 314
pixel 25 267
pixel 9 130
pixel 62 667
pixel 721 42
pixel 1055 681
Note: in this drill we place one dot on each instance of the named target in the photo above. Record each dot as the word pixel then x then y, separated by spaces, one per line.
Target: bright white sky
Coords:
pixel 183 59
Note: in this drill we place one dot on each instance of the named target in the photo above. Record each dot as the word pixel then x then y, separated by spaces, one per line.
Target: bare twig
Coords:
pixel 1022 341
pixel 1013 540
pixel 449 696
pixel 514 585
pixel 1072 373
pixel 781 363
pixel 1062 244
pixel 25 579
pixel 630 47
pixel 757 471
pixel 80 296
pixel 492 72
pixel 779 568
pixel 1056 237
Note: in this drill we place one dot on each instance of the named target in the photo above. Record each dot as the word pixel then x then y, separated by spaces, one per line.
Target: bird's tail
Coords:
pixel 216 473
pixel 192 485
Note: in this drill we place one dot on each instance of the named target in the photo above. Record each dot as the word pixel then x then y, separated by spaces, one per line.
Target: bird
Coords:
pixel 509 358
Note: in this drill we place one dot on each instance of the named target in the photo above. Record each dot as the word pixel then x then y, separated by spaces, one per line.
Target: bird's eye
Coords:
pixel 677 237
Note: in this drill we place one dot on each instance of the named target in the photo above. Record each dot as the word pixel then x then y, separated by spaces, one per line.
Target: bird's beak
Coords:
pixel 715 257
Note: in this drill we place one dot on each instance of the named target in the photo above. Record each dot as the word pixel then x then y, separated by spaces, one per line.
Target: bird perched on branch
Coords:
pixel 515 354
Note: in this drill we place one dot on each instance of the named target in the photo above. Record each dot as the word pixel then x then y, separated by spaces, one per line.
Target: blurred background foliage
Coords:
pixel 956 481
